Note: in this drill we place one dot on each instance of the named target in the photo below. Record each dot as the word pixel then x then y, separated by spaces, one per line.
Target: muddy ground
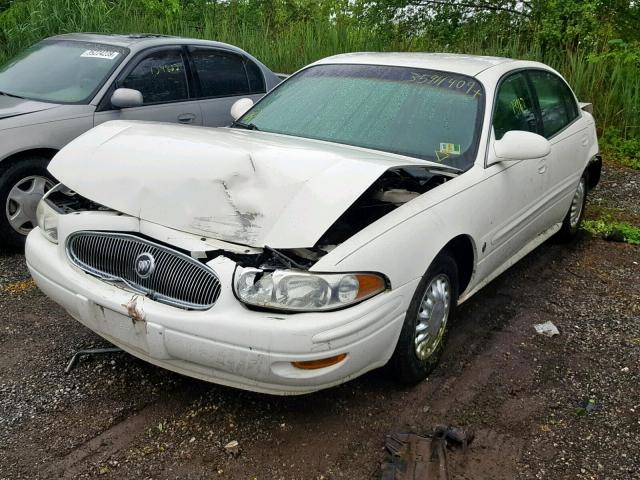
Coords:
pixel 549 408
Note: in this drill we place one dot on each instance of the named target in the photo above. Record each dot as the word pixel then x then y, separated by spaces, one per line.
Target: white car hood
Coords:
pixel 245 187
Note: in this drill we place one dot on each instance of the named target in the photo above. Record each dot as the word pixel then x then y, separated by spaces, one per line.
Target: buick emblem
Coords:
pixel 145 265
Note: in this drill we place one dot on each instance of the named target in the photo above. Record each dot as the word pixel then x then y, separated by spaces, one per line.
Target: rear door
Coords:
pixel 221 77
pixel 162 76
pixel 566 130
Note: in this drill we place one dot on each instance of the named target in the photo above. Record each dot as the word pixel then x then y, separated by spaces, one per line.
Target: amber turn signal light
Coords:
pixel 321 363
pixel 369 285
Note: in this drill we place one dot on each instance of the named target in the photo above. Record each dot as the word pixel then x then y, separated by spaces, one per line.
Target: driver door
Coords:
pixel 162 78
pixel 514 190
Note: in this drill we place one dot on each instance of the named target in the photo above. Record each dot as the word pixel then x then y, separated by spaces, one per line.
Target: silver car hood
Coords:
pixel 13 107
pixel 246 187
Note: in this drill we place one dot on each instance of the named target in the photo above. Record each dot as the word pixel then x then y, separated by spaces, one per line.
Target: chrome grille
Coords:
pixel 177 279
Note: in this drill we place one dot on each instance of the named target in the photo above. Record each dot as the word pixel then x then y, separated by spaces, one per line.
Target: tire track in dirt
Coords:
pixel 484 342
pixel 120 436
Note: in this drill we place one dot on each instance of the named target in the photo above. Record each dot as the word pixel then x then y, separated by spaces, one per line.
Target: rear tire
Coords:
pixel 426 323
pixel 573 219
pixel 22 185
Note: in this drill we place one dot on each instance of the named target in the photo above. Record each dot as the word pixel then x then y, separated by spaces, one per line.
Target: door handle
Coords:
pixel 186 117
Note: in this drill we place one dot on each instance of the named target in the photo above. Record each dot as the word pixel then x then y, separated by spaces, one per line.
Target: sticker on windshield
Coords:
pixel 450 148
pixel 105 54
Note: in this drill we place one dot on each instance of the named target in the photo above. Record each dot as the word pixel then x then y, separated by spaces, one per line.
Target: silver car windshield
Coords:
pixel 424 114
pixel 60 71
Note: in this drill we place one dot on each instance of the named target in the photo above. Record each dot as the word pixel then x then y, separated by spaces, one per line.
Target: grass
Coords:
pixel 610 82
pixel 620 148
pixel 612 230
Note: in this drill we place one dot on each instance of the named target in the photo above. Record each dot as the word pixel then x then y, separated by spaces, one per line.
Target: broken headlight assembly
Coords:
pixel 61 200
pixel 299 291
pixel 47 218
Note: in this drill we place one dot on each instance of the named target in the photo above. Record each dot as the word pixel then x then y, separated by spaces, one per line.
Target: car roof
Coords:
pixel 451 62
pixel 139 41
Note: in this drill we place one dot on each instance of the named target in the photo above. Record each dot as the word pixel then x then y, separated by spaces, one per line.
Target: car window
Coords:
pixel 61 71
pixel 557 104
pixel 160 77
pixel 256 78
pixel 220 73
pixel 514 108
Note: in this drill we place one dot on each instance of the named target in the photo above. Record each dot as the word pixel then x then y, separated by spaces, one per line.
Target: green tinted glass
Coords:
pixel 557 104
pixel 514 108
pixel 419 113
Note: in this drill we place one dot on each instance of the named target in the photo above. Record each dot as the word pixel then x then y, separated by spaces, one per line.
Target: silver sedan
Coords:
pixel 65 85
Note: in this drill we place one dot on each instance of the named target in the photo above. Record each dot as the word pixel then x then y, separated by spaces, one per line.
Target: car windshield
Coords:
pixel 425 114
pixel 60 71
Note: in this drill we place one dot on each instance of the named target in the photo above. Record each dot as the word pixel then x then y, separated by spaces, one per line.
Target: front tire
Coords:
pixel 573 219
pixel 426 323
pixel 22 185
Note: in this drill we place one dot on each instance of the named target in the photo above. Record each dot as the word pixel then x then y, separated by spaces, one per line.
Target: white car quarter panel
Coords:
pixel 472 204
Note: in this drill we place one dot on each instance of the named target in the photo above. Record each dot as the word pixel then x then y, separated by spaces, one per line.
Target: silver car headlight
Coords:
pixel 300 291
pixel 47 219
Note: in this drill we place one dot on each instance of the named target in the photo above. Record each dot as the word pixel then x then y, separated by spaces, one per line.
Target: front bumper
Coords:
pixel 228 344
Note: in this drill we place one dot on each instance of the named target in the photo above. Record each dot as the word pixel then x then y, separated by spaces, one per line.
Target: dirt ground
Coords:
pixel 541 408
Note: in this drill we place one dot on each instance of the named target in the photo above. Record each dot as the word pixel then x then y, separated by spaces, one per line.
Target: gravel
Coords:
pixel 542 408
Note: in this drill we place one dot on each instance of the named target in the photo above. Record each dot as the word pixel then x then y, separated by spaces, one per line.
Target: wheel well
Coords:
pixel 594 170
pixel 461 248
pixel 36 152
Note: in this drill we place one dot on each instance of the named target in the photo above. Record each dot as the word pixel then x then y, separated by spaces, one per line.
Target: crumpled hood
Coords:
pixel 246 187
pixel 13 107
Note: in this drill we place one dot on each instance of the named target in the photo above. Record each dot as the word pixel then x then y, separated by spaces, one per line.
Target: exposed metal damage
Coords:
pixel 393 189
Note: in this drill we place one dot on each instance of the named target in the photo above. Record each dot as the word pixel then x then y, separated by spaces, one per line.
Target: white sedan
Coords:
pixel 333 229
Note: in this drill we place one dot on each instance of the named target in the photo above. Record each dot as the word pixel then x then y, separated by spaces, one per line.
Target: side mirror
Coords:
pixel 240 107
pixel 126 98
pixel 520 145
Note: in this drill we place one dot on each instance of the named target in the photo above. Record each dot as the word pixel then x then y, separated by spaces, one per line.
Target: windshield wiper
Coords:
pixel 11 95
pixel 246 126
pixel 446 167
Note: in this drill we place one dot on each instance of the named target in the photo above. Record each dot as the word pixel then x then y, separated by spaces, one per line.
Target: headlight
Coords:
pixel 304 291
pixel 47 221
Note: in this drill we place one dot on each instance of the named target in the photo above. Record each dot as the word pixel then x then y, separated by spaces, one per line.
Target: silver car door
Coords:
pixel 221 78
pixel 161 76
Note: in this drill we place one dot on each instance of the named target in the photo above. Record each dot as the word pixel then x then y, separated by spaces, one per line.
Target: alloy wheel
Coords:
pixel 23 200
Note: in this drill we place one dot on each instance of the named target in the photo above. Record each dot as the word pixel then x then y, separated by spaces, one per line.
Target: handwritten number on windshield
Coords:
pixel 467 86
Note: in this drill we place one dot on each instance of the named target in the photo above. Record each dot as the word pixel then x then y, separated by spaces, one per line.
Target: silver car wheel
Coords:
pixel 577 204
pixel 23 200
pixel 432 316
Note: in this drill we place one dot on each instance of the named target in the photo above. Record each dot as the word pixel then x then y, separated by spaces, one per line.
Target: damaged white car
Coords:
pixel 333 229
